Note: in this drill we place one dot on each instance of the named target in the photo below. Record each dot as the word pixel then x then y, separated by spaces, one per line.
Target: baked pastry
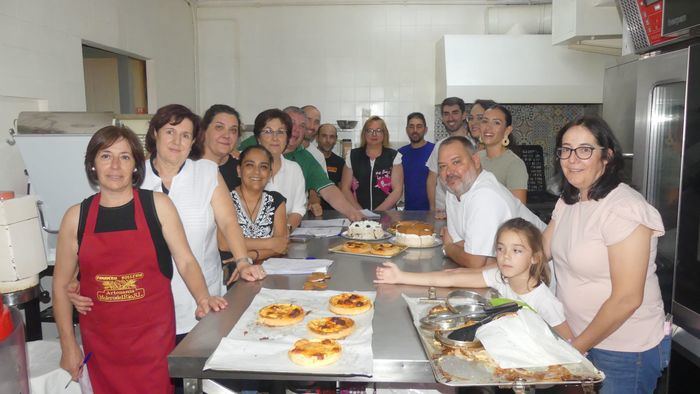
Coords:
pixel 365 229
pixel 385 249
pixel 356 247
pixel 349 304
pixel 278 315
pixel 331 327
pixel 415 235
pixel 315 352
pixel 442 308
pixel 393 227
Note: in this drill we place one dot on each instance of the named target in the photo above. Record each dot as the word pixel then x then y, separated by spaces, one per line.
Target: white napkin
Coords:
pixel 369 214
pixel 525 341
pixel 282 266
pixel 325 223
pixel 319 232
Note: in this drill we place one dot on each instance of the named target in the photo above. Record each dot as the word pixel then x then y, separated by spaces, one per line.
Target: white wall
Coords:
pixel 41 64
pixel 340 58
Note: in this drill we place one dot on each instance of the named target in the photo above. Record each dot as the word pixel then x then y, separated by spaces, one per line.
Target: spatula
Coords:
pixel 466 334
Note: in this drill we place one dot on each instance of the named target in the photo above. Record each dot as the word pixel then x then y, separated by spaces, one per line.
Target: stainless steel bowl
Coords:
pixel 346 124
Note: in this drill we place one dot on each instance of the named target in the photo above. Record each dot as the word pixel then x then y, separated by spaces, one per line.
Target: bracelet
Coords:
pixel 246 259
pixel 257 254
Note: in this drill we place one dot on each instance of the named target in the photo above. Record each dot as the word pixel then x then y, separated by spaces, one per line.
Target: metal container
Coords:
pixel 13 368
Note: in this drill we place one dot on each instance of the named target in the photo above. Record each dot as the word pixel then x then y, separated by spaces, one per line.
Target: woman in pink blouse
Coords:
pixel 602 238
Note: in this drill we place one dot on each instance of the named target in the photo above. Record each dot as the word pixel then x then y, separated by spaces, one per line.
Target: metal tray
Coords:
pixel 451 367
pixel 339 249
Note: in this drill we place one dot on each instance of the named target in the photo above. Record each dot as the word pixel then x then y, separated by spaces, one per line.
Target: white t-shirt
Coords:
pixel 477 215
pixel 318 155
pixel 432 165
pixel 540 298
pixel 289 182
pixel 191 191
pixel 396 162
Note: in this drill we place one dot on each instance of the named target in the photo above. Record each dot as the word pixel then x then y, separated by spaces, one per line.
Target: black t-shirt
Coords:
pixel 122 218
pixel 334 165
pixel 230 173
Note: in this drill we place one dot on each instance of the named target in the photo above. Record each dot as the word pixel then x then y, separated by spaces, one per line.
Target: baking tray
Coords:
pixel 339 249
pixel 454 367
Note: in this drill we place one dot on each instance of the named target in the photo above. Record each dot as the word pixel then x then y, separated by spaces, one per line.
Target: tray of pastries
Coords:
pixel 359 248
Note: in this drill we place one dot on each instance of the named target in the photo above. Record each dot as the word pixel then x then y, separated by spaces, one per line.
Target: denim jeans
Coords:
pixel 632 372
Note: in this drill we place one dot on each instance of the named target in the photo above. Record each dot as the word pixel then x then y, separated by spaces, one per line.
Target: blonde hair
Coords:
pixel 385 131
pixel 532 235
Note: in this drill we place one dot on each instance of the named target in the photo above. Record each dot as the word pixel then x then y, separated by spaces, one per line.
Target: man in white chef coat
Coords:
pixel 454 116
pixel 476 203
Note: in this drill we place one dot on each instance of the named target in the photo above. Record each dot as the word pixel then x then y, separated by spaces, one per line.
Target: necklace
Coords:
pixel 247 208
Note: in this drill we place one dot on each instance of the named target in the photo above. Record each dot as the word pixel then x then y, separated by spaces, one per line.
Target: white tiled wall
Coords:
pixel 339 58
pixel 41 66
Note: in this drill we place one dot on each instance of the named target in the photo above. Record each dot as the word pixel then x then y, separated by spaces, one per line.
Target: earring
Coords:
pixel 134 169
pixel 505 142
pixel 93 169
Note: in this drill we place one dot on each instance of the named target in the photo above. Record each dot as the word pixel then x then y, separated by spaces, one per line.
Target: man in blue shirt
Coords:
pixel 413 157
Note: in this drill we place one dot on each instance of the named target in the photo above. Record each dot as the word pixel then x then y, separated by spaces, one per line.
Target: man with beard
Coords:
pixel 327 137
pixel 454 115
pixel 476 203
pixel 414 156
pixel 313 123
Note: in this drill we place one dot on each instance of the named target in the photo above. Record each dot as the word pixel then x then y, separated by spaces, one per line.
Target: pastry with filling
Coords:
pixel 385 249
pixel 315 352
pixel 356 247
pixel 278 315
pixel 349 304
pixel 331 327
pixel 415 235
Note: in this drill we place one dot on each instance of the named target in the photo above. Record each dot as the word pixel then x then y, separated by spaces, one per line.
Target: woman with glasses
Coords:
pixel 373 176
pixel 602 238
pixel 272 130
pixel 509 169
pixel 476 114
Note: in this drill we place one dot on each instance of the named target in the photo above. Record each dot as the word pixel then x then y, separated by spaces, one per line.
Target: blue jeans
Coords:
pixel 632 372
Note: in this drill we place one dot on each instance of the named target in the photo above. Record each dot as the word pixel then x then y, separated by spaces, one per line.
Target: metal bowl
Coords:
pixel 346 124
pixel 464 301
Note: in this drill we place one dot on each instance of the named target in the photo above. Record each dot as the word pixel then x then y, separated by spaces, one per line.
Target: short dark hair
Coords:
pixel 173 114
pixel 466 143
pixel 106 137
pixel 504 110
pixel 414 115
pixel 453 101
pixel 251 148
pixel 269 114
pixel 612 152
pixel 484 103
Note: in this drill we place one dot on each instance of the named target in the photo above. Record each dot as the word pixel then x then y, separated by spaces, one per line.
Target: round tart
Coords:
pixel 315 352
pixel 278 315
pixel 356 247
pixel 349 304
pixel 415 234
pixel 385 249
pixel 331 327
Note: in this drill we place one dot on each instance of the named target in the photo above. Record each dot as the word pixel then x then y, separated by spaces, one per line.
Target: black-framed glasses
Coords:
pixel 375 131
pixel 583 152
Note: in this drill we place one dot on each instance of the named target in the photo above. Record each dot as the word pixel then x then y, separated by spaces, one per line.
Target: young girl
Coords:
pixel 522 273
pixel 261 213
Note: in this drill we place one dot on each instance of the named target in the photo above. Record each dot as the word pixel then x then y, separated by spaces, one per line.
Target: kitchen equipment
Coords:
pixel 459 301
pixel 13 368
pixel 346 124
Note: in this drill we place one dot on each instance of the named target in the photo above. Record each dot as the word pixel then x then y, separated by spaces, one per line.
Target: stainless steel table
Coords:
pixel 398 355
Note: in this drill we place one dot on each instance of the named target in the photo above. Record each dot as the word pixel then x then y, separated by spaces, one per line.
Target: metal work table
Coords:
pixel 398 355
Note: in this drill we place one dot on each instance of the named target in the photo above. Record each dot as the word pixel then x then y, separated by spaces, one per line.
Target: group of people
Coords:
pixel 202 201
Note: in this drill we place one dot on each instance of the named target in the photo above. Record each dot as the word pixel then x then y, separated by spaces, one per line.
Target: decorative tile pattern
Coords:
pixel 535 124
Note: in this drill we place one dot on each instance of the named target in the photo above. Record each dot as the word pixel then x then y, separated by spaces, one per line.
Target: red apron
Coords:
pixel 131 327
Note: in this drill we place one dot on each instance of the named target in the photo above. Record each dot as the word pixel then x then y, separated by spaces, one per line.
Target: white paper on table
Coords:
pixel 319 232
pixel 253 347
pixel 325 223
pixel 369 214
pixel 283 266
pixel 525 341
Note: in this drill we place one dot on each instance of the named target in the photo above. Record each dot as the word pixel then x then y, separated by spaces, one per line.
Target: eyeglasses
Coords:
pixel 583 152
pixel 375 131
pixel 471 118
pixel 273 133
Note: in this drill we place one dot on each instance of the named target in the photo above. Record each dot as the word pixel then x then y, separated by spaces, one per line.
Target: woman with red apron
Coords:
pixel 131 328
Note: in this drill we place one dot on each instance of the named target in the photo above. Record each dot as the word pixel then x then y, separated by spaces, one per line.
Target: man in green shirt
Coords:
pixel 314 175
